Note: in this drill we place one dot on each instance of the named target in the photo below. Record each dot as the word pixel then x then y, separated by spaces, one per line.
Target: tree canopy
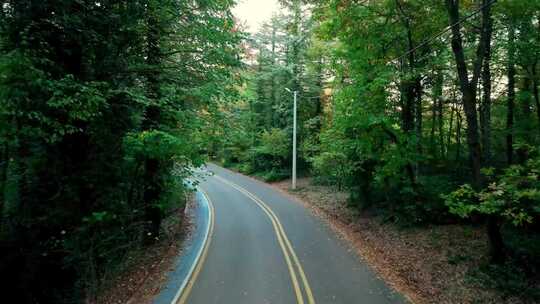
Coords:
pixel 424 111
pixel 100 114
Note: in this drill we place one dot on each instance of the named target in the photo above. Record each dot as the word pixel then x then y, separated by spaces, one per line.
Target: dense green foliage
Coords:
pixel 260 124
pixel 427 112
pixel 101 120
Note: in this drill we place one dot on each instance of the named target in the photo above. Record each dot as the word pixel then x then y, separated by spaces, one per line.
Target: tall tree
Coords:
pixel 511 95
pixel 485 106
pixel 468 85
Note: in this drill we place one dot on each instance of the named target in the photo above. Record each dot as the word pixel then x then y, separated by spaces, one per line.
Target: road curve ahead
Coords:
pixel 267 248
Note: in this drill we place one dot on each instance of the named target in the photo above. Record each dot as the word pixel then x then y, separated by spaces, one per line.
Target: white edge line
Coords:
pixel 197 259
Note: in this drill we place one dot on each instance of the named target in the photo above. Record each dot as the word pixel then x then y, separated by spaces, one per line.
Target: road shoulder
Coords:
pixel 425 264
pixel 183 269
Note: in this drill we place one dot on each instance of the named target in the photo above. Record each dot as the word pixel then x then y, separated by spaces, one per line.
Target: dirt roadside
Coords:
pixel 146 272
pixel 426 264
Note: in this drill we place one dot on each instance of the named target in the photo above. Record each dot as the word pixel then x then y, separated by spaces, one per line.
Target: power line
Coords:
pixel 446 29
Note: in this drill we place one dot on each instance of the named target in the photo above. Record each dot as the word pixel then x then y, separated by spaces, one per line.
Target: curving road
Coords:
pixel 266 248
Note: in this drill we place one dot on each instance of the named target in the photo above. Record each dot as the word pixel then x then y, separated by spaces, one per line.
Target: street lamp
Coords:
pixel 295 93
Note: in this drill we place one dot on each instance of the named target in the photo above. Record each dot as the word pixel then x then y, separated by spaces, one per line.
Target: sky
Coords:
pixel 255 12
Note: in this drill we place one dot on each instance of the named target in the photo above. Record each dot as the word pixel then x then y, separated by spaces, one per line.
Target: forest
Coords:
pixel 103 112
pixel 426 112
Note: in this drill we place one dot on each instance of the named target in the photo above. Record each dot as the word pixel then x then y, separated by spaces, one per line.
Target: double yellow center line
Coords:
pixel 286 247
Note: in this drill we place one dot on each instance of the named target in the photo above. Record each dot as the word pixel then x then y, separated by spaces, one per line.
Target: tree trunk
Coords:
pixel 485 107
pixel 319 99
pixel 407 101
pixel 458 134
pixel 496 244
pixel 468 87
pixel 437 119
pixel 152 188
pixel 135 180
pixel 511 72
pixel 433 123
pixel 469 105
pixel 4 162
pixel 441 126
pixel 407 114
pixel 525 101
pixel 451 125
pixel 419 119
pixel 152 191
pixel 410 87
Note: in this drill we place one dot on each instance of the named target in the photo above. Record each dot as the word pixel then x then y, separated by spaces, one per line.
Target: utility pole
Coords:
pixel 295 94
pixel 294 145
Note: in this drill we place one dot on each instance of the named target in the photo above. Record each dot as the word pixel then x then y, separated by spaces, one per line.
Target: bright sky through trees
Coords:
pixel 255 12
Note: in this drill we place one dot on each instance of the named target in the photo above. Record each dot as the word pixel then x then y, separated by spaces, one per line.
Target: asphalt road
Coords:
pixel 267 248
